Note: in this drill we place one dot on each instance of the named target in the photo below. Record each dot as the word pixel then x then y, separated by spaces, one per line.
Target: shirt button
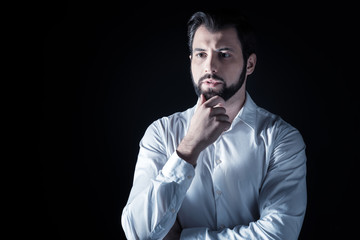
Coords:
pixel 189 177
pixel 218 161
pixel 218 192
pixel 172 210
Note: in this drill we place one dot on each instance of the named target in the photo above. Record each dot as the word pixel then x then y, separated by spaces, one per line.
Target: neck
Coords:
pixel 235 103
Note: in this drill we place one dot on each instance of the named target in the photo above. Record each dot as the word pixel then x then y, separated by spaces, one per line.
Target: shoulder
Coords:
pixel 174 121
pixel 274 124
pixel 284 141
pixel 174 124
pixel 271 127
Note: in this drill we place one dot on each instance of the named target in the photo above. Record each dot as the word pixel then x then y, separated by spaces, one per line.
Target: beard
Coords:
pixel 226 92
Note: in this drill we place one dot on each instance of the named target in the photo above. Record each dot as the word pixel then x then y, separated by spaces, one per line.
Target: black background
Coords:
pixel 108 70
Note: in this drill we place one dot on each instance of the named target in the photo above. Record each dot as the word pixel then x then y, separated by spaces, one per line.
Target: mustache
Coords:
pixel 213 76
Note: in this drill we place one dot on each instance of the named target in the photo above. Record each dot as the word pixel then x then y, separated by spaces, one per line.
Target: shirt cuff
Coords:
pixel 177 169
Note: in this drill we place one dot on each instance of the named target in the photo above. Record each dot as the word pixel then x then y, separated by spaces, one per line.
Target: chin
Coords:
pixel 210 93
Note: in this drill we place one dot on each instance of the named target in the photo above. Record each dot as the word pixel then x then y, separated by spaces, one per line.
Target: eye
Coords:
pixel 201 55
pixel 224 55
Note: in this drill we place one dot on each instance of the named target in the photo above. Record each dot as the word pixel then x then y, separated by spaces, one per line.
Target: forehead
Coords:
pixel 223 38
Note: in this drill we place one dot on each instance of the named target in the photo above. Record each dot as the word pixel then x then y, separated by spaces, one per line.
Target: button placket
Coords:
pixel 217 171
pixel 218 175
pixel 218 194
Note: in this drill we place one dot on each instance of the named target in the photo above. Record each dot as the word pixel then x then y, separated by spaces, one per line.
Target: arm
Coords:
pixel 160 184
pixel 282 199
pixel 208 122
pixel 159 187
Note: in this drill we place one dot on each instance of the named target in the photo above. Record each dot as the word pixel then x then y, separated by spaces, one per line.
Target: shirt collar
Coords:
pixel 247 114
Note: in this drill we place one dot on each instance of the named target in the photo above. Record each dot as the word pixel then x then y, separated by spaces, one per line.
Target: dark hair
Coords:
pixel 215 21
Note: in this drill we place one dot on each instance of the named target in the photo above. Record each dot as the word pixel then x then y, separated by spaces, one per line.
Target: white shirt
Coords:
pixel 249 184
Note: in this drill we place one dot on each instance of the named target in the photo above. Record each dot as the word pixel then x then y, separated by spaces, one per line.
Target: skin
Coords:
pixel 217 53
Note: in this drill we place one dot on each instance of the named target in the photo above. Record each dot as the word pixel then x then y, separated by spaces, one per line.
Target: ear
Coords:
pixel 251 62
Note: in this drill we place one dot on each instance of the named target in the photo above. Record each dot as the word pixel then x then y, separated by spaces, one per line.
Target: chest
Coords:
pixel 229 175
pixel 237 161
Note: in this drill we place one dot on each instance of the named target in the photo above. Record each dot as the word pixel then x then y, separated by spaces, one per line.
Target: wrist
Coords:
pixel 188 152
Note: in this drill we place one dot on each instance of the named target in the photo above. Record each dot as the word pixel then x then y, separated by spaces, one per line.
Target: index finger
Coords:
pixel 215 100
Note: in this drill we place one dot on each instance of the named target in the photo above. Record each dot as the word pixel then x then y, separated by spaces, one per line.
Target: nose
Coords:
pixel 211 64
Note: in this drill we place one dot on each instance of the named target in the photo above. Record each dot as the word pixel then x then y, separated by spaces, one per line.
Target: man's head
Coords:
pixel 222 53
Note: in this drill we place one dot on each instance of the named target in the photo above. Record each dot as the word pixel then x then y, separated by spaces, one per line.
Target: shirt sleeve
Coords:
pixel 159 187
pixel 282 199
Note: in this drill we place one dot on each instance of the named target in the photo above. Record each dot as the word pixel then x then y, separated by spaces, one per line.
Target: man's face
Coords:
pixel 217 63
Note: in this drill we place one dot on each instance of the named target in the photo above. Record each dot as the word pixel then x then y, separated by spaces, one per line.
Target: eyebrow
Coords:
pixel 224 49
pixel 217 50
pixel 199 50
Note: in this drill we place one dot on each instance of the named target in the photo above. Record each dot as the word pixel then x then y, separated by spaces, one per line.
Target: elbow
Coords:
pixel 130 227
pixel 126 225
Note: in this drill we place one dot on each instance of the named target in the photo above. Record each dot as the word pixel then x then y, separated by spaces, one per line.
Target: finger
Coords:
pixel 222 118
pixel 216 100
pixel 225 125
pixel 217 110
pixel 201 100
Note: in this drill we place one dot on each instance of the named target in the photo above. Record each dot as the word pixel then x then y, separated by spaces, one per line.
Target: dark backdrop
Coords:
pixel 111 69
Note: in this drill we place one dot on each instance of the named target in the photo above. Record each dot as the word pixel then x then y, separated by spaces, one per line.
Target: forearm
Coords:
pixel 268 228
pixel 151 211
pixel 282 206
pixel 207 124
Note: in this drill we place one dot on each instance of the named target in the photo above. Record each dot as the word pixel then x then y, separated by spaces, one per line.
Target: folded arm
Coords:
pixel 282 199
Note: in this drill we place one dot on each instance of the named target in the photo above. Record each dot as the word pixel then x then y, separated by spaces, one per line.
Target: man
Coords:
pixel 226 168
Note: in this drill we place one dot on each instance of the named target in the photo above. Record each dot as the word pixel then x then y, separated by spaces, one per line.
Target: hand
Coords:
pixel 207 124
pixel 174 233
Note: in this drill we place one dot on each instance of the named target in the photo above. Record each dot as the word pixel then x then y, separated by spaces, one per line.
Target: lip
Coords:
pixel 212 82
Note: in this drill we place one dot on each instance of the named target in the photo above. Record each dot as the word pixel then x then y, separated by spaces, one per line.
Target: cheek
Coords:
pixel 195 72
pixel 232 73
